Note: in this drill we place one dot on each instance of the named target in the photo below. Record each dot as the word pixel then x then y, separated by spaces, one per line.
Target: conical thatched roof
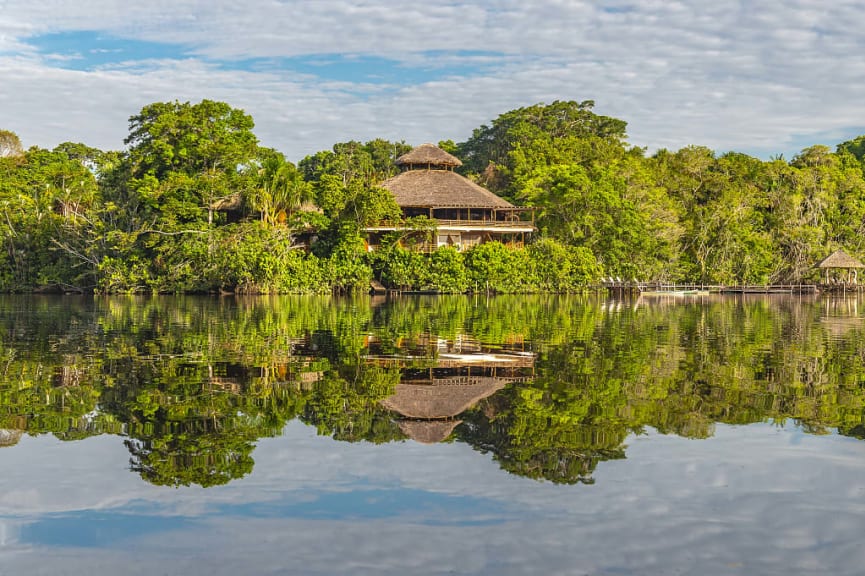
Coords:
pixel 430 402
pixel 428 431
pixel 428 155
pixel 440 189
pixel 840 259
pixel 231 203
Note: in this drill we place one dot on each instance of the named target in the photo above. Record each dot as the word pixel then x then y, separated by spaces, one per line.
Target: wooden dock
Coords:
pixel 650 288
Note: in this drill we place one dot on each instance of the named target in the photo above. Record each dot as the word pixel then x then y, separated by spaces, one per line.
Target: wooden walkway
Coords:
pixel 648 288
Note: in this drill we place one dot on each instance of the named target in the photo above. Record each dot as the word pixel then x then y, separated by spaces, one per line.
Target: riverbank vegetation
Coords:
pixel 195 204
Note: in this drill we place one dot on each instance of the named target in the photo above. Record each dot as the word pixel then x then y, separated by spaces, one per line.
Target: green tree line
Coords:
pixel 195 204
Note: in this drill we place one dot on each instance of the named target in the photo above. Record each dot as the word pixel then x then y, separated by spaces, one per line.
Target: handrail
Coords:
pixel 467 223
pixel 714 288
pixel 484 223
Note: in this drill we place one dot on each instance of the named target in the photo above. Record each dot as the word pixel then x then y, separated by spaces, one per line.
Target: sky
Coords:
pixel 765 77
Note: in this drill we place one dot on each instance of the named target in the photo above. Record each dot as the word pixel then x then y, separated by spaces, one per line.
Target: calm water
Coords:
pixel 514 435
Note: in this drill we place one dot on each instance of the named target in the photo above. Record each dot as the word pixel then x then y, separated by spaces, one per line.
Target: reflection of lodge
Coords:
pixel 235 378
pixel 451 378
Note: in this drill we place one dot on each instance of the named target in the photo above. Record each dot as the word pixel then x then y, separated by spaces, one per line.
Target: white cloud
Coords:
pixel 731 75
pixel 755 500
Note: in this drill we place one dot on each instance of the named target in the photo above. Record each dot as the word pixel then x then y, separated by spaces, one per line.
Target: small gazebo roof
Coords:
pixel 428 155
pixel 840 259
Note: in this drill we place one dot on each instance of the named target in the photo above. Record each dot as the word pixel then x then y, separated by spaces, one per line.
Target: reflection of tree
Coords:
pixel 202 453
pixel 194 383
pixel 854 431
pixel 348 409
pixel 198 424
pixel 564 455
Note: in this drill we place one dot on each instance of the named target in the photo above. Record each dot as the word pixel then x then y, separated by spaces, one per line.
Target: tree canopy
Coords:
pixel 195 204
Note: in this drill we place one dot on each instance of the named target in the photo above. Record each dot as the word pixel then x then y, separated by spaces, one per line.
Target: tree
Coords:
pixel 519 141
pixel 182 159
pixel 855 147
pixel 280 190
pixel 370 162
pixel 10 144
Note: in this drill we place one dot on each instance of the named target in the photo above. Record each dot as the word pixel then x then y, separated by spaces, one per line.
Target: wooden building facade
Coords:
pixel 464 213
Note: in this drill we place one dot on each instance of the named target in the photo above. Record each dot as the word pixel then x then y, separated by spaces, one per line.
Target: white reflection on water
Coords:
pixel 751 500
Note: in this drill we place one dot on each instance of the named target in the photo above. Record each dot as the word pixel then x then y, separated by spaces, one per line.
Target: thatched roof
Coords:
pixel 430 402
pixel 440 189
pixel 428 431
pixel 428 155
pixel 231 203
pixel 310 207
pixel 840 259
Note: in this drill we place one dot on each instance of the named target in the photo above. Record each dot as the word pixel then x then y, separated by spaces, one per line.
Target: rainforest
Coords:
pixel 194 204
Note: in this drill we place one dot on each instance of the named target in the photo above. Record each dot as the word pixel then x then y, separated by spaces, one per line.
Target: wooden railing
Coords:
pixel 672 288
pixel 467 223
pixel 486 223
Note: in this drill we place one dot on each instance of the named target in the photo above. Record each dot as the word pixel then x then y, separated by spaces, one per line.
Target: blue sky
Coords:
pixel 760 77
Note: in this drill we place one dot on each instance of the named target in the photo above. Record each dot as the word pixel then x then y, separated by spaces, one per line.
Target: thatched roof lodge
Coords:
pixel 465 213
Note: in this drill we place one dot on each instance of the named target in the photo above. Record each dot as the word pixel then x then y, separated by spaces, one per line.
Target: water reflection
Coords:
pixel 547 387
pixel 441 379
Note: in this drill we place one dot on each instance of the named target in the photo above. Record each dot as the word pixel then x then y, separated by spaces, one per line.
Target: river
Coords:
pixel 432 435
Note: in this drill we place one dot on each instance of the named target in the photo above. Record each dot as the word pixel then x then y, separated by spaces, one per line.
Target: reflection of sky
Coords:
pixel 751 500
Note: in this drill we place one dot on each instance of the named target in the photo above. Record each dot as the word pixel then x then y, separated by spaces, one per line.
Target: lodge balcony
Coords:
pixel 462 228
pixel 501 220
pixel 498 226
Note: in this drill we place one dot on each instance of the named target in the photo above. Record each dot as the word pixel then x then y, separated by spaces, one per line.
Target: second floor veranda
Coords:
pixel 515 219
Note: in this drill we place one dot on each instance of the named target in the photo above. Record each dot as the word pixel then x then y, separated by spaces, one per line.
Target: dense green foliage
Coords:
pixel 193 383
pixel 195 204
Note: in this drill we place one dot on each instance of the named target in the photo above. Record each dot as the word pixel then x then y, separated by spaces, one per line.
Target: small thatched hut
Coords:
pixel 840 260
pixel 465 213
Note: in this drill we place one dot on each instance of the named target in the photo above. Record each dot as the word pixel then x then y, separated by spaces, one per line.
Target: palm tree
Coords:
pixel 281 190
